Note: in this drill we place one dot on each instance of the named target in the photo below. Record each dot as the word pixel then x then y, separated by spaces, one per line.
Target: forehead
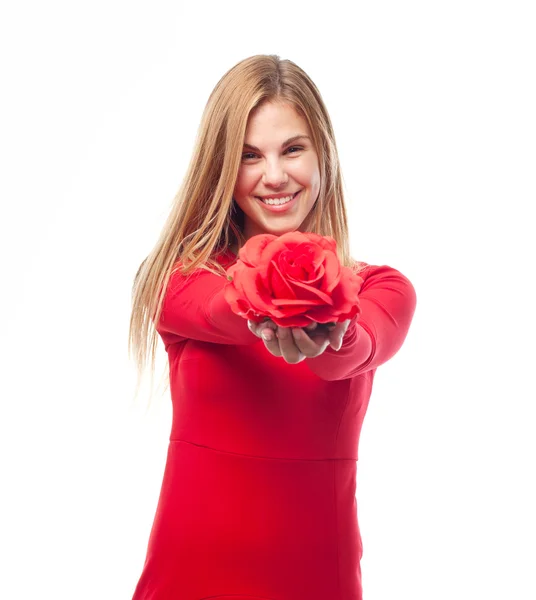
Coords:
pixel 274 121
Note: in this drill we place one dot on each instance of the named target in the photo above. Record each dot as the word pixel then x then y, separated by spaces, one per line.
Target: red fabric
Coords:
pixel 258 495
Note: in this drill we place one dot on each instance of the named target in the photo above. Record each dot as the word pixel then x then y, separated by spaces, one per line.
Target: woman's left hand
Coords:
pixel 295 344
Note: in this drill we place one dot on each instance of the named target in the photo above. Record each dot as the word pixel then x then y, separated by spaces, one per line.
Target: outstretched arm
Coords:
pixel 194 307
pixel 388 302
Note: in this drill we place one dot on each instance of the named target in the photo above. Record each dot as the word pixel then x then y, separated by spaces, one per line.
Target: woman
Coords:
pixel 258 495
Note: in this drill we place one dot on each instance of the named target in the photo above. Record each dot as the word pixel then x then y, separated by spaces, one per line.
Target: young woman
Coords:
pixel 258 495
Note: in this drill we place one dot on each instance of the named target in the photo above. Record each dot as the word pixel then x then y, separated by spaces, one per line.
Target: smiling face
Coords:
pixel 276 163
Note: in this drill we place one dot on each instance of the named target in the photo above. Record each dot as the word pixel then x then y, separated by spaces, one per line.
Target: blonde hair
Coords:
pixel 204 219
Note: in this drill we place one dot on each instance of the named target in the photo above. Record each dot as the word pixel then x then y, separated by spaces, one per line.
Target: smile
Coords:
pixel 278 201
pixel 280 204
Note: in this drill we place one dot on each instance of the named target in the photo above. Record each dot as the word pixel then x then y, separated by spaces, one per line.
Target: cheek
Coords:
pixel 315 175
pixel 309 173
pixel 316 179
pixel 314 183
pixel 238 185
pixel 245 183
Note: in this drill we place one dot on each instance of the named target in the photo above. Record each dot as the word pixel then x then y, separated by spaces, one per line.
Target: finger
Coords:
pixel 289 351
pixel 310 345
pixel 257 328
pixel 267 334
pixel 266 325
pixel 336 335
pixel 266 331
pixel 272 344
pixel 335 340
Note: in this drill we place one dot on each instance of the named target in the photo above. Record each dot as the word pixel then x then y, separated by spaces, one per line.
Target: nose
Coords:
pixel 274 174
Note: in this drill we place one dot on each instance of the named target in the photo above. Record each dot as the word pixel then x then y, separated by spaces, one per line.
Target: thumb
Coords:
pixel 336 334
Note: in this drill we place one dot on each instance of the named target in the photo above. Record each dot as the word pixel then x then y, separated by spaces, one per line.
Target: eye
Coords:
pixel 252 155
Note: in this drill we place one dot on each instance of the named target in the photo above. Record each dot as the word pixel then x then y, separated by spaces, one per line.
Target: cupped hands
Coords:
pixel 295 344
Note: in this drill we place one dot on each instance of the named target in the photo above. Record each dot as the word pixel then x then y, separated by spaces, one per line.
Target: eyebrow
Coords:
pixel 286 143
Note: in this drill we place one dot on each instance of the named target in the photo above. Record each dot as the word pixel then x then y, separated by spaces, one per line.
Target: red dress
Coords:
pixel 258 494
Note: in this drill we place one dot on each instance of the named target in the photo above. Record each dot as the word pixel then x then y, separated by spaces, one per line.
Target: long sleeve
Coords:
pixel 194 307
pixel 388 302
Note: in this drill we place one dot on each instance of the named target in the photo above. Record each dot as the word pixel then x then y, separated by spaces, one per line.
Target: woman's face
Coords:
pixel 272 166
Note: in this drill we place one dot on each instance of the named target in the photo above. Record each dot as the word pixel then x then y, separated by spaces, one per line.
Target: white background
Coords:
pixel 433 105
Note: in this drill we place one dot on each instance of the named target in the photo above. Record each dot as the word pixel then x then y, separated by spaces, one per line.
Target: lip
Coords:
pixel 282 207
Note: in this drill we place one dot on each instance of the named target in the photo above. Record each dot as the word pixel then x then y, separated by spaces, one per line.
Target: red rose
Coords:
pixel 293 279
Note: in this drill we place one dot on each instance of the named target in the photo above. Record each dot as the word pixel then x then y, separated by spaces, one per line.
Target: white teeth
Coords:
pixel 278 201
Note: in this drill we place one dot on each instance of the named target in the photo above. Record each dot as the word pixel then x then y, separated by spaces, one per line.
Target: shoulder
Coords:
pixel 359 265
pixel 182 273
pixel 382 276
pixel 362 268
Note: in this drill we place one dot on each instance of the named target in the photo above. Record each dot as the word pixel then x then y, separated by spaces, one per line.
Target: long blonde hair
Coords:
pixel 204 219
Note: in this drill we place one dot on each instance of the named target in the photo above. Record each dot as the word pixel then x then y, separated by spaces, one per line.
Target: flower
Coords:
pixel 293 279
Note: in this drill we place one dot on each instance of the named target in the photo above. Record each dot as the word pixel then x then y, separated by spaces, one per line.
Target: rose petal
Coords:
pixel 271 251
pixel 254 291
pixel 251 253
pixel 296 302
pixel 348 289
pixel 280 287
pixel 304 260
pixel 312 292
pixel 292 321
pixel 333 271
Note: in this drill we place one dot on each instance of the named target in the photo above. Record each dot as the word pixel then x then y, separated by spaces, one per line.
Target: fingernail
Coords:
pixel 266 336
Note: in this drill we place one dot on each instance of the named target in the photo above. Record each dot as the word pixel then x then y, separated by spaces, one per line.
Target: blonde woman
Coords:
pixel 258 499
